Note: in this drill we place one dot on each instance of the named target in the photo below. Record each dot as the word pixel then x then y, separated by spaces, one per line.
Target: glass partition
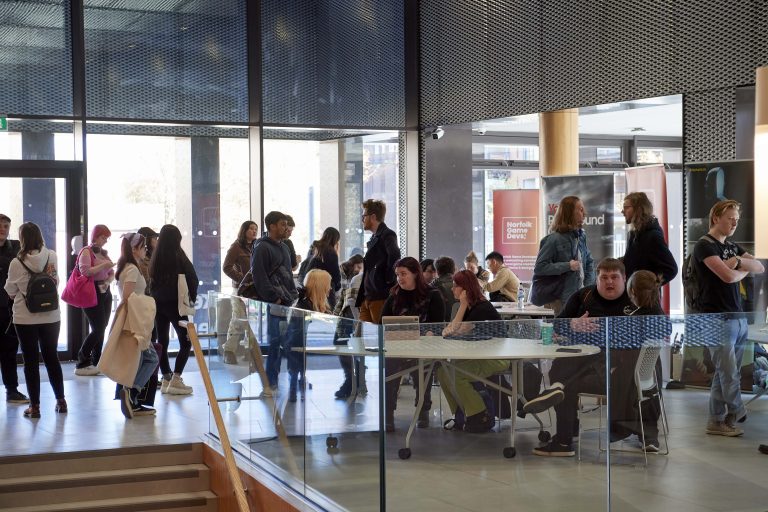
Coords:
pixel 283 411
pixel 529 410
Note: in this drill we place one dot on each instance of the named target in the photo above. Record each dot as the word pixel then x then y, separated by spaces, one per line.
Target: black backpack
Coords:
pixel 691 285
pixel 41 294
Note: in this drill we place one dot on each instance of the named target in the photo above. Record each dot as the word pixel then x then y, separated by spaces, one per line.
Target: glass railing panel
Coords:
pixel 276 371
pixel 470 439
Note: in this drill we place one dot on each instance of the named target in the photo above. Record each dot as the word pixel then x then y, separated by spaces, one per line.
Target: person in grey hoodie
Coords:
pixel 564 252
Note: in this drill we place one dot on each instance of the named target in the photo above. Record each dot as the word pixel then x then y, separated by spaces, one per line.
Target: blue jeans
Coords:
pixel 725 393
pixel 276 343
pixel 147 367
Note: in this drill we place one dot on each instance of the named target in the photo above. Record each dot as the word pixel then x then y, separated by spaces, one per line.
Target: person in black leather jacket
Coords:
pixel 379 261
pixel 9 343
pixel 646 247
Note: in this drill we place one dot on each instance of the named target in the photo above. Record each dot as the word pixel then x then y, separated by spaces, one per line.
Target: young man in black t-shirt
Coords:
pixel 571 376
pixel 720 265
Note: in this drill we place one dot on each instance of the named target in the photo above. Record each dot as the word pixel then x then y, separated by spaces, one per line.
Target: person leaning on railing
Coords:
pixel 473 307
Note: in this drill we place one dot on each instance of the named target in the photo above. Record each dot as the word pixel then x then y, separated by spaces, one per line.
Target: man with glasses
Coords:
pixel 9 344
pixel 378 262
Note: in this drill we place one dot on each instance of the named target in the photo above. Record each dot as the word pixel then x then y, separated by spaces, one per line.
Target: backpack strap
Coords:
pixel 30 271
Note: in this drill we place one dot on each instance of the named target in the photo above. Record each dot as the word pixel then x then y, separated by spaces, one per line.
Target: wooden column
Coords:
pixel 559 142
pixel 761 162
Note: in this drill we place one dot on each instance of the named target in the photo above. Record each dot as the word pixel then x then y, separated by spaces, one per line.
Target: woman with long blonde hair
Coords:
pixel 313 297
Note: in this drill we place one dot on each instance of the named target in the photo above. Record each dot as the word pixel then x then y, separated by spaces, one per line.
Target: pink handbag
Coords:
pixel 80 290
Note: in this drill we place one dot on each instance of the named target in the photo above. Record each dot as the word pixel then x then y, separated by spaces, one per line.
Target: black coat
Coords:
pixel 8 250
pixel 647 250
pixel 379 265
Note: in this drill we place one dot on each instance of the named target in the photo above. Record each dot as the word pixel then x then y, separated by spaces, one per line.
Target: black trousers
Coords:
pixel 168 315
pixel 46 337
pixel 392 366
pixel 98 318
pixel 9 346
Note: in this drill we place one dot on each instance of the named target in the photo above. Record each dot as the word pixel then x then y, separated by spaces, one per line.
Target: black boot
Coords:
pixel 294 384
pixel 423 421
pixel 345 390
pixel 479 423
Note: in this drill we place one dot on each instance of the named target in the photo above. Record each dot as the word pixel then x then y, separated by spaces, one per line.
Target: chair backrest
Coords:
pixel 645 368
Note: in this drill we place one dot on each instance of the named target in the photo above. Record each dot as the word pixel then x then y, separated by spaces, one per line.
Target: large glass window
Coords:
pixel 199 184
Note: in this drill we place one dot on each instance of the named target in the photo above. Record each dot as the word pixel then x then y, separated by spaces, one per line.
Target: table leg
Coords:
pixel 422 391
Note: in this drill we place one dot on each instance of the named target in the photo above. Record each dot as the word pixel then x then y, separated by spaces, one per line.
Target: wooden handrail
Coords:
pixel 229 457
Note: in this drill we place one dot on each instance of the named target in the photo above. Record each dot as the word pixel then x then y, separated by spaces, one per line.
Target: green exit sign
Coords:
pixel 3 123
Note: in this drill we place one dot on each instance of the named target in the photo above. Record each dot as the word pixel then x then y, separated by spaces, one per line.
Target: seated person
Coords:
pixel 446 267
pixel 411 296
pixel 505 283
pixel 571 376
pixel 473 307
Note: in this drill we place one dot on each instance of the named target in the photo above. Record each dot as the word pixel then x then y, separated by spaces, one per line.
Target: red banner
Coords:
pixel 516 229
pixel 652 180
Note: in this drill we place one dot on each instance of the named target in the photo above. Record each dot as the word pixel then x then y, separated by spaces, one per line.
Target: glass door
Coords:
pixel 48 194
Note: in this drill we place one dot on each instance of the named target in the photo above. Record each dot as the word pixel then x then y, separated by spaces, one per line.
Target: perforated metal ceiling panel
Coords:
pixel 495 58
pixel 166 60
pixel 35 58
pixel 333 62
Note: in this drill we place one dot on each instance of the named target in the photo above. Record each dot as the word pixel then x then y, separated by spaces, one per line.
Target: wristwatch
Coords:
pixel 738 263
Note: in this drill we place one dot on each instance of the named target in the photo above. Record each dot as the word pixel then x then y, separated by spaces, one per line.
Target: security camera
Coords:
pixel 438 133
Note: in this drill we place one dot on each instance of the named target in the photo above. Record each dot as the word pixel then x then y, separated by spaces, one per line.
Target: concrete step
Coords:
pixel 70 487
pixel 100 460
pixel 200 501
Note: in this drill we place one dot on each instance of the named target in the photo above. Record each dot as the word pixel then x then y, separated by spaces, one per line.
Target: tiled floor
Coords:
pixel 448 471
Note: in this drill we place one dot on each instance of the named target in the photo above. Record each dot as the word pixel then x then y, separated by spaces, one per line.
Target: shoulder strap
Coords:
pixel 31 272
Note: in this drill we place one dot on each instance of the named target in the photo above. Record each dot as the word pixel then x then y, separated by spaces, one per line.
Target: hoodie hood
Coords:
pixel 37 260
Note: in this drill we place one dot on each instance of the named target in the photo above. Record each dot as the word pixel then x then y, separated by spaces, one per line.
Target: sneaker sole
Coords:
pixel 543 402
pixel 554 454
pixel 18 402
pixel 144 413
pixel 178 391
pixel 125 404
pixel 724 434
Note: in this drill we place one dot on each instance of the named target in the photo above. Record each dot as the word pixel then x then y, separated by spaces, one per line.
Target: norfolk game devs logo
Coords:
pixel 520 230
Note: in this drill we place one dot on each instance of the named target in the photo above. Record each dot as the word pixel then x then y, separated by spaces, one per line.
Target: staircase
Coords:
pixel 167 478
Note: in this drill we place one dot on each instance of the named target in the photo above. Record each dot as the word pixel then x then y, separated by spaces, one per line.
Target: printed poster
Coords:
pixel 596 193
pixel 516 229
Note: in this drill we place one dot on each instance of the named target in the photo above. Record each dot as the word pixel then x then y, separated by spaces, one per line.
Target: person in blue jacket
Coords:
pixel 564 252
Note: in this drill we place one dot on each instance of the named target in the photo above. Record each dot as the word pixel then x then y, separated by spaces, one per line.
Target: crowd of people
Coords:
pixel 368 287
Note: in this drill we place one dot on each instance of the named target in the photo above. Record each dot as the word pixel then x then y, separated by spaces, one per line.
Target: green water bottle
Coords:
pixel 546 333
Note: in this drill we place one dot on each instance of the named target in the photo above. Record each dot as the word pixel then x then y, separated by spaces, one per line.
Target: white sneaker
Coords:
pixel 87 371
pixel 164 385
pixel 176 386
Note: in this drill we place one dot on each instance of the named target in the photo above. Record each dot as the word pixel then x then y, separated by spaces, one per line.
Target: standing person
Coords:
pixel 93 261
pixel 379 261
pixel 564 252
pixel 505 284
pixel 327 258
pixel 313 297
pixel 9 343
pixel 237 265
pixel 646 248
pixel 167 263
pixel 150 243
pixel 36 331
pixel 295 258
pixel 720 266
pixel 411 296
pixel 351 273
pixel 445 268
pixel 273 280
pixel 473 307
pixel 129 281
pixel 472 263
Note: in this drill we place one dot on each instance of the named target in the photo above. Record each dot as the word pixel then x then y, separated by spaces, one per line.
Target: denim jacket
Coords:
pixel 555 253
